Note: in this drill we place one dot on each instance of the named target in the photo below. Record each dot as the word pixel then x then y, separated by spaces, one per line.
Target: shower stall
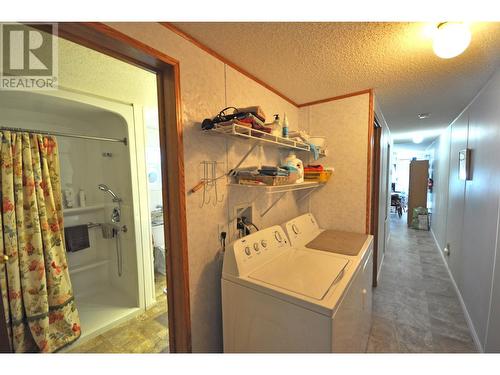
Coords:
pixel 102 171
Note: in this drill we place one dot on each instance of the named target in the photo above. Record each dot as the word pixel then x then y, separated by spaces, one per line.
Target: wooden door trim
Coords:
pixel 338 97
pixel 226 61
pixel 105 39
pixel 375 195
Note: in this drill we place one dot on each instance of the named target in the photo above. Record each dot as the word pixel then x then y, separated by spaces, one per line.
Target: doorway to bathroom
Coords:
pixel 116 188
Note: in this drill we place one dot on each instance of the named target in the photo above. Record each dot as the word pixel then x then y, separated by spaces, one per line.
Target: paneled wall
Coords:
pixel 439 196
pixel 467 212
pixel 341 204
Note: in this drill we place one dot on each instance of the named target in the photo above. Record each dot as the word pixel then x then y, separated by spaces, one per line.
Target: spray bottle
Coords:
pixel 285 126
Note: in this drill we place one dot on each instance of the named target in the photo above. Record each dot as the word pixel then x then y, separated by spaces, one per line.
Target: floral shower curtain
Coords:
pixel 36 288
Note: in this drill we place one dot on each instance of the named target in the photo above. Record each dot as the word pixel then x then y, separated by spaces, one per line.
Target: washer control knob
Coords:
pixel 278 237
pixel 247 250
pixel 256 246
pixel 263 243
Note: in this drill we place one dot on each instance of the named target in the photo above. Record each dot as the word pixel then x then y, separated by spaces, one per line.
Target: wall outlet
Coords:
pixel 221 228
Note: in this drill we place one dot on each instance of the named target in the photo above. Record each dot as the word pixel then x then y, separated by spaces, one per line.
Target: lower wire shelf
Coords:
pixel 281 188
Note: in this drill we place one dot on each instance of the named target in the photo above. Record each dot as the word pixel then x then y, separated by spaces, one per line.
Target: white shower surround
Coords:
pixel 137 282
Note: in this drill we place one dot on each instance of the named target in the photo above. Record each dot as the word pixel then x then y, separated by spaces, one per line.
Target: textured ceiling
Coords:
pixel 312 61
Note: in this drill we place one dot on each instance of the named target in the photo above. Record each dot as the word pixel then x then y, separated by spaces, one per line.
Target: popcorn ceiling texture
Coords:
pixel 312 61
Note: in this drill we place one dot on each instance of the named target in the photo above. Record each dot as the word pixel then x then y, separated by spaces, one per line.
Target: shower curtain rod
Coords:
pixel 59 134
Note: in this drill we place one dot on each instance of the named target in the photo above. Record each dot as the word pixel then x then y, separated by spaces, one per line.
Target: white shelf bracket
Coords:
pixel 306 195
pixel 273 204
pixel 233 170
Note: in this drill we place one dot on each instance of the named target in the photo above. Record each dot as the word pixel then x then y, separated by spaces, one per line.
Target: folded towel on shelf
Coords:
pixel 77 237
pixel 267 170
pixel 290 168
pixel 255 111
pixel 313 168
pixel 275 173
pixel 234 122
pixel 315 150
pixel 244 174
pixel 246 171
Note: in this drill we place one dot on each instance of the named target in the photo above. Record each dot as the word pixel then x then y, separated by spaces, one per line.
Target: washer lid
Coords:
pixel 308 273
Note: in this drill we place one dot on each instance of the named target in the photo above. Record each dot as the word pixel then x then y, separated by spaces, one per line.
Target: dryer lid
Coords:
pixel 308 273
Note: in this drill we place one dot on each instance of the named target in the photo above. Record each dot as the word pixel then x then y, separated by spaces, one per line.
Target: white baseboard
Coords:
pixel 472 329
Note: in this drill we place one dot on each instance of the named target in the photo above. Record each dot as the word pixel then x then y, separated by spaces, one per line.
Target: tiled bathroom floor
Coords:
pixel 146 333
pixel 415 306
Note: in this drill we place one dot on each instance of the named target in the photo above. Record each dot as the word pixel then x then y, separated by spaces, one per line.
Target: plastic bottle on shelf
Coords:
pixel 276 126
pixel 68 197
pixel 82 198
pixel 285 126
pixel 293 161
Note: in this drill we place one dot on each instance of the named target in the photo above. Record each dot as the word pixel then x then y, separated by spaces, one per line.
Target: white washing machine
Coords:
pixel 277 298
pixel 305 233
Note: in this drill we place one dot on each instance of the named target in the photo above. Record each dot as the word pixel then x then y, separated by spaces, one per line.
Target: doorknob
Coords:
pixel 3 259
pixel 446 250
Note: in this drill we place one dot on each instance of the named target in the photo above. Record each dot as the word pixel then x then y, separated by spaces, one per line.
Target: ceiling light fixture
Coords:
pixel 422 116
pixel 418 139
pixel 451 39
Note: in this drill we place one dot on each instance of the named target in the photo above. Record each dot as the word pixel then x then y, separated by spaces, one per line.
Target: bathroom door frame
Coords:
pixel 105 39
pixel 375 195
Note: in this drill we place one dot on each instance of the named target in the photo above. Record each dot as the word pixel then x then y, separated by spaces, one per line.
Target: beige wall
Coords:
pixel 341 204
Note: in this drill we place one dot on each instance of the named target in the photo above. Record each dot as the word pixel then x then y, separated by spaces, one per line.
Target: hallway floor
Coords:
pixel 146 333
pixel 415 306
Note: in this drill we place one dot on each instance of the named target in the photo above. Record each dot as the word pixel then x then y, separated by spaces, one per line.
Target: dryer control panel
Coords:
pixel 302 230
pixel 250 252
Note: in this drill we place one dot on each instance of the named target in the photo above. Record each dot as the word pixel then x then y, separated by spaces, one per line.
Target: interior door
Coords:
pixel 375 199
pixel 417 188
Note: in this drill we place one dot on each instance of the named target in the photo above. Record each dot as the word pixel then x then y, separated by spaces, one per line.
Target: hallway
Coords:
pixel 415 306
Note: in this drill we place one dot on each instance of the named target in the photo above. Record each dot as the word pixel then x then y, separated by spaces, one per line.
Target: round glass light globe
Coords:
pixel 451 39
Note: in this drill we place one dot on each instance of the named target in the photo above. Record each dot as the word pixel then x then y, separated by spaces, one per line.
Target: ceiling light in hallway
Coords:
pixel 418 139
pixel 451 39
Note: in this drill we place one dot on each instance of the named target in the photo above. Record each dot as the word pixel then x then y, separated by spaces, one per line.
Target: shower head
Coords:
pixel 105 188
